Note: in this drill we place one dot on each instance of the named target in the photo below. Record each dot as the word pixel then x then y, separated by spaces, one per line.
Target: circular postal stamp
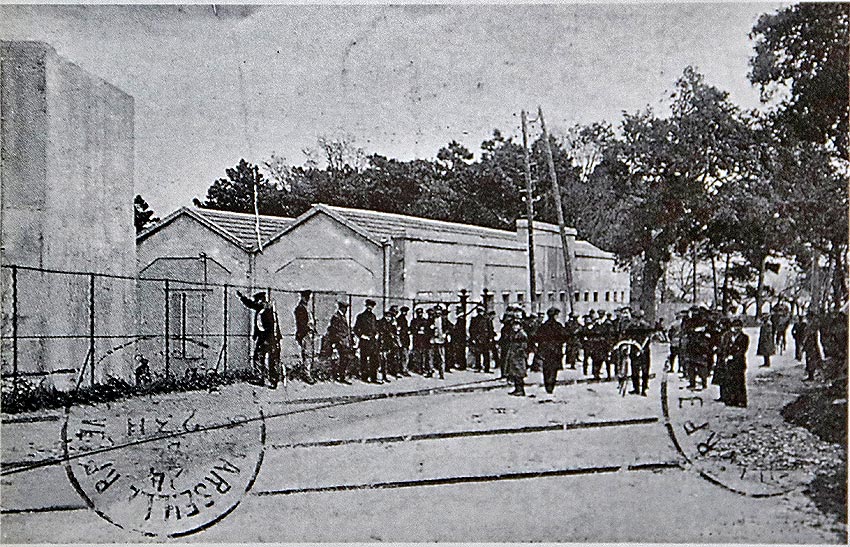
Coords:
pixel 167 466
pixel 718 443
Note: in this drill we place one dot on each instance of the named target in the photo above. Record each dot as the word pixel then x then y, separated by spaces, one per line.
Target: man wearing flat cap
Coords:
pixel 366 331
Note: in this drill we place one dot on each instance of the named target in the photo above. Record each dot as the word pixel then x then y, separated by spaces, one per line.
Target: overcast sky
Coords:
pixel 211 87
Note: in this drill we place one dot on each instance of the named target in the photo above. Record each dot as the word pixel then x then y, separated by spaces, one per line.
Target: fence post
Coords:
pixel 464 300
pixel 167 328
pixel 15 330
pixel 224 331
pixel 91 325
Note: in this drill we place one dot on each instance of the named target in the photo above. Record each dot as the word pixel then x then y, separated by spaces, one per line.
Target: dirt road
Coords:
pixel 417 460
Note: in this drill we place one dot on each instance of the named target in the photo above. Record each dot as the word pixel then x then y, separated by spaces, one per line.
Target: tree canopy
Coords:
pixel 705 180
pixel 143 215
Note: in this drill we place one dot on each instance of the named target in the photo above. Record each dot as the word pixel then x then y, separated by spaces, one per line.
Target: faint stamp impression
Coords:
pixel 718 455
pixel 169 470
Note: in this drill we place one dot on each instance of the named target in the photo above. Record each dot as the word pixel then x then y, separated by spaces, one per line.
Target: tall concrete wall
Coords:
pixel 66 139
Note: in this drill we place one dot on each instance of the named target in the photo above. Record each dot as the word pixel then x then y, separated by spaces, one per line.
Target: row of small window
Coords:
pixel 610 296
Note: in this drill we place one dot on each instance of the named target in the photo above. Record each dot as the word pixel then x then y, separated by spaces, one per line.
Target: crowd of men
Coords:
pixel 706 344
pixel 434 342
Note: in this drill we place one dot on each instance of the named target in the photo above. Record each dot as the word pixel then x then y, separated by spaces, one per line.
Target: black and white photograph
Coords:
pixel 569 272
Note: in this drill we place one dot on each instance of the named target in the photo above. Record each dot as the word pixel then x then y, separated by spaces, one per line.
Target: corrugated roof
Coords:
pixel 242 225
pixel 382 225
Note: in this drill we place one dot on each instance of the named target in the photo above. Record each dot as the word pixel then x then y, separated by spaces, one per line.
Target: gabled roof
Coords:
pixel 374 226
pixel 243 227
pixel 385 225
pixel 237 228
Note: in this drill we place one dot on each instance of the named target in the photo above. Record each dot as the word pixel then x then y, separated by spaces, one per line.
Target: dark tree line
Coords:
pixel 706 179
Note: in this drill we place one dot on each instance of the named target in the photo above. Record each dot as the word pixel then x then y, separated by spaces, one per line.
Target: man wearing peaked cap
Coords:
pixel 366 331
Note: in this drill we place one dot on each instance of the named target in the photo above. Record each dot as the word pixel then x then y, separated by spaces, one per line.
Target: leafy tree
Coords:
pixel 143 214
pixel 236 192
pixel 814 200
pixel 336 152
pixel 666 169
pixel 279 172
pixel 801 55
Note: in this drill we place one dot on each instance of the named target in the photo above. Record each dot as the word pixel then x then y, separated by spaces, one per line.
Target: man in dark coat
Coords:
pixel 550 338
pixel 479 341
pixel 457 345
pixel 697 347
pixel 420 331
pixel 390 343
pixel 366 331
pixel 732 365
pixel 532 323
pixel 515 348
pixel 304 331
pixel 404 338
pixel 639 330
pixel 766 346
pixel 511 314
pixel 597 345
pixel 813 348
pixel 798 333
pixel 338 338
pixel 266 336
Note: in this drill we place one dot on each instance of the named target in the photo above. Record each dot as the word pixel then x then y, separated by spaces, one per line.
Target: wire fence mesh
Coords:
pixel 72 329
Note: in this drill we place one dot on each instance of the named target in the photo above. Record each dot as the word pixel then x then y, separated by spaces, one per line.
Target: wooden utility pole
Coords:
pixel 529 212
pixel 694 272
pixel 556 194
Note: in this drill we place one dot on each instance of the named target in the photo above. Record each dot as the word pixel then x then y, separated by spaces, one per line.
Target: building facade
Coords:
pixel 350 253
pixel 342 250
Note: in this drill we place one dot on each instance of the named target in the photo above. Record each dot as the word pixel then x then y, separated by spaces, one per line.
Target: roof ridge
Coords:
pixel 412 217
pixel 226 212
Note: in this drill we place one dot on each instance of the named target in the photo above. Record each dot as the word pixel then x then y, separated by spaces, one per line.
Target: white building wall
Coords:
pixel 322 255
